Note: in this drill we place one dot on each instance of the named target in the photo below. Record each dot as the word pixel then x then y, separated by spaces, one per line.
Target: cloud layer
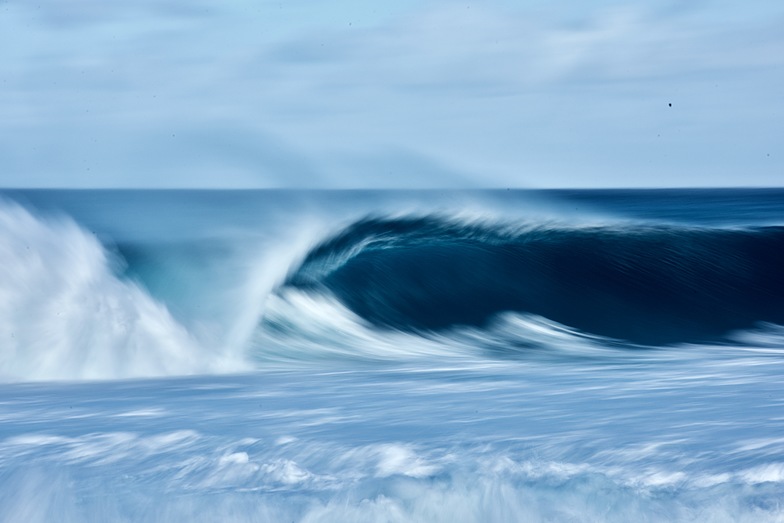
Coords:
pixel 437 94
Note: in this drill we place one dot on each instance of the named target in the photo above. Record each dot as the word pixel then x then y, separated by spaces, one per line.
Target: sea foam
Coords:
pixel 65 313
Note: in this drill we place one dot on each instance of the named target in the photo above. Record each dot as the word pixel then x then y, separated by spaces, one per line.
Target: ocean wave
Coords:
pixel 393 288
pixel 646 284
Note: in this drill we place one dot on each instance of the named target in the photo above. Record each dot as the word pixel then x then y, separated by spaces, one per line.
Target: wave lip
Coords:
pixel 647 284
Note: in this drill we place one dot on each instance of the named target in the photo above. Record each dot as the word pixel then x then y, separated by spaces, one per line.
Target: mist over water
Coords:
pixel 391 356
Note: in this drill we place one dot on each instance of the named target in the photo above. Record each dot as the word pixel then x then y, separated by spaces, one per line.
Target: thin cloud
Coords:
pixel 267 94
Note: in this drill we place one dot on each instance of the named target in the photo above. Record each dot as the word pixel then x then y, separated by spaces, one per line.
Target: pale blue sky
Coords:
pixel 240 93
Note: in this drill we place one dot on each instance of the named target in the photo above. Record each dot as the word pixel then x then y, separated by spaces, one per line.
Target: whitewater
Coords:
pixel 395 356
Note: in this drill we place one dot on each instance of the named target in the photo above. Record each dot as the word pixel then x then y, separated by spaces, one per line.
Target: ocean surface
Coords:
pixel 392 356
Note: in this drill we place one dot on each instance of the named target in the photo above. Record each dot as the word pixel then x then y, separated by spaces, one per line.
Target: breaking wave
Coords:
pixel 380 288
pixel 66 314
pixel 647 284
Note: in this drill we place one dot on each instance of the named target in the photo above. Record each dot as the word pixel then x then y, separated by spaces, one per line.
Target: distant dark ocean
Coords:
pixel 477 356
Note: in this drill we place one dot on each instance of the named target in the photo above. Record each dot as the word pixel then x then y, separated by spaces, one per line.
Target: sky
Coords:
pixel 403 94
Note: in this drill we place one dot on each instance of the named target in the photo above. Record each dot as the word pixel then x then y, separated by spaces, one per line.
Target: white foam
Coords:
pixel 768 473
pixel 195 480
pixel 142 413
pixel 400 459
pixel 303 327
pixel 65 314
pixel 286 472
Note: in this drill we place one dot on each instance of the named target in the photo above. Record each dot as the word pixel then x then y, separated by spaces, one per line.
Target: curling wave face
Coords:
pixel 647 284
